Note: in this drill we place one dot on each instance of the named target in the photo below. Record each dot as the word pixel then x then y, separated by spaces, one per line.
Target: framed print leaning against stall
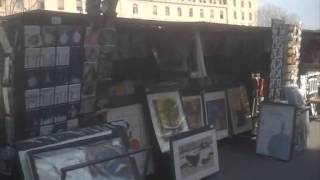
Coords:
pixel 216 109
pixel 240 113
pixel 276 130
pixel 193 109
pixel 167 116
pixel 194 154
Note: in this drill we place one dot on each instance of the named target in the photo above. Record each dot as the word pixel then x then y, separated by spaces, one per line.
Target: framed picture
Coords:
pixel 195 154
pixel 193 109
pixel 216 109
pixel 131 117
pixel 276 130
pixel 240 113
pixel 167 116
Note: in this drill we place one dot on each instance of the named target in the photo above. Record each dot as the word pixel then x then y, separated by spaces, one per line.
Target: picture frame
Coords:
pixel 167 116
pixel 193 109
pixel 194 154
pixel 240 112
pixel 276 130
pixel 216 110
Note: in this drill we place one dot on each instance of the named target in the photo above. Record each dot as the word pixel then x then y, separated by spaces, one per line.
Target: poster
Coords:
pixel 241 120
pixel 217 112
pixel 193 109
pixel 167 116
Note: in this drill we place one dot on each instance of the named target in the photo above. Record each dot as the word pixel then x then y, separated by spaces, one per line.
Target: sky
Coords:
pixel 307 10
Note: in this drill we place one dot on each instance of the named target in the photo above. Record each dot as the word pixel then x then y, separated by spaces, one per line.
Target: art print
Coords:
pixel 48 57
pixel 64 35
pixel 62 75
pixel 32 36
pixel 63 56
pixel 32 58
pixel 276 130
pixel 167 116
pixel 241 120
pixel 193 109
pixel 49 35
pixel 32 79
pixel 217 112
pixel 46 117
pixel 74 93
pixel 32 99
pixel 76 36
pixel 46 97
pixel 61 94
pixel 195 155
pixel 47 77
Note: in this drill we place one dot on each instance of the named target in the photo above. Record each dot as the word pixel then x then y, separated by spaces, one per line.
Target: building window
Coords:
pixel 235 15
pixel 201 13
pixel 167 11
pixel 61 4
pixel 250 16
pixel 179 10
pixel 79 5
pixel 224 2
pixel 211 13
pixel 221 15
pixel 155 10
pixel 249 3
pixel 234 3
pixel 242 4
pixel 190 12
pixel 242 15
pixel 135 9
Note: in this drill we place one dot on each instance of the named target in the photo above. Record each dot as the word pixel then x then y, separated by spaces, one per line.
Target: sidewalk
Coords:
pixel 238 161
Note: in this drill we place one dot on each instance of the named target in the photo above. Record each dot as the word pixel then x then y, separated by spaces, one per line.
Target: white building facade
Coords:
pixel 239 12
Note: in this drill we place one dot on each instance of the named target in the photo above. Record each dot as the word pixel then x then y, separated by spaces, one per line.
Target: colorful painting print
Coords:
pixel 167 117
pixel 276 130
pixel 216 112
pixel 48 163
pixel 239 110
pixel 195 156
pixel 192 106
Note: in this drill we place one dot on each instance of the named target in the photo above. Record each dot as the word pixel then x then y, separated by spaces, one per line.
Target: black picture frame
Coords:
pixel 190 134
pixel 291 148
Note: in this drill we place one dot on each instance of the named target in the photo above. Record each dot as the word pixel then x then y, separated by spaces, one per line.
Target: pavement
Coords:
pixel 238 161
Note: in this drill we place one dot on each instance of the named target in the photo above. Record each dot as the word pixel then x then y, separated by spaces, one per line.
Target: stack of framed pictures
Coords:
pixel 240 113
pixel 44 158
pixel 194 154
pixel 276 130
pixel 217 112
pixel 167 116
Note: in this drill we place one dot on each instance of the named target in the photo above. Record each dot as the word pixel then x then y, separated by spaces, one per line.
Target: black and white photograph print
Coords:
pixel 32 79
pixel 195 154
pixel 32 36
pixel 216 109
pixel 32 58
pixel 276 130
pixel 76 35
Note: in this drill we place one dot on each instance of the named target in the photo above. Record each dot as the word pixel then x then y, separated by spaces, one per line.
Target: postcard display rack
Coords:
pixel 54 80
